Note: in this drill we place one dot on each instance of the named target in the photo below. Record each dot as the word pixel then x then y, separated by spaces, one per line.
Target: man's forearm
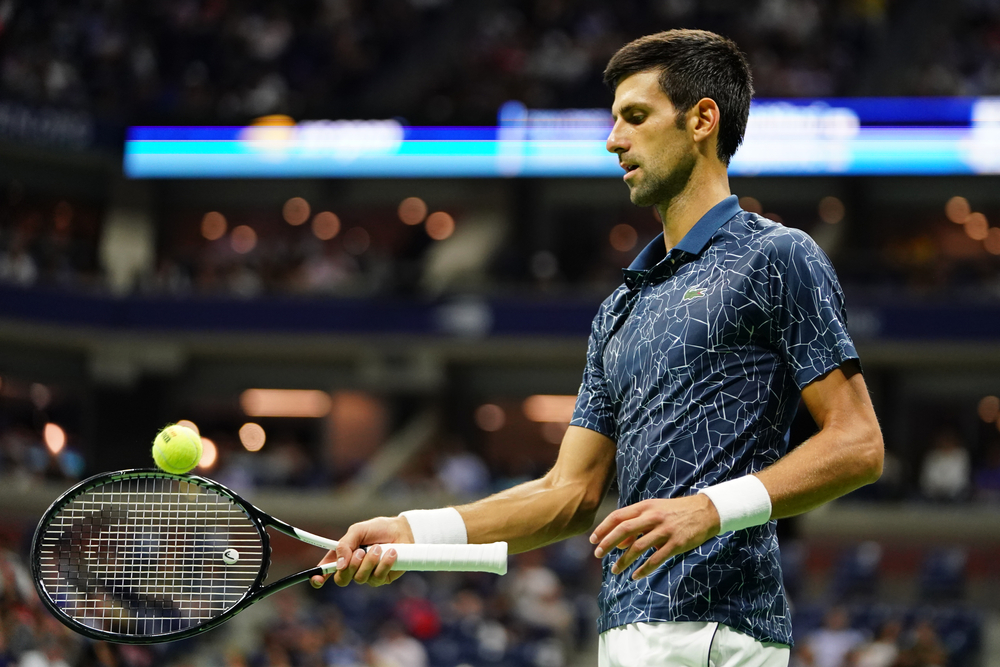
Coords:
pixel 830 464
pixel 532 514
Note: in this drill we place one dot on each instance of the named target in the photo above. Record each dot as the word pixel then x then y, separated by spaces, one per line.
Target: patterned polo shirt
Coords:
pixel 694 368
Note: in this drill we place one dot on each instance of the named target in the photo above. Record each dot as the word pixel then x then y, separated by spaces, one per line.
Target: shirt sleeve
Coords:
pixel 594 408
pixel 808 318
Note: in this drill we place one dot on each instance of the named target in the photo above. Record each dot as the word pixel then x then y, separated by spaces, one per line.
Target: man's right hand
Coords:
pixel 371 567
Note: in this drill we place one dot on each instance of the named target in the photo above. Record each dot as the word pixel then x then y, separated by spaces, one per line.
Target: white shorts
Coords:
pixel 686 644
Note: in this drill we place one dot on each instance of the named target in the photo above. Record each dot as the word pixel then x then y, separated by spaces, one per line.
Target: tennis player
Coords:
pixel 694 371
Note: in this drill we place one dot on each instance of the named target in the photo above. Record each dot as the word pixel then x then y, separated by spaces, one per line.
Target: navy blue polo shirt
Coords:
pixel 694 368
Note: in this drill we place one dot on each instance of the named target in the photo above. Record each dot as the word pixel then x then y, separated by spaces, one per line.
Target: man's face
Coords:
pixel 657 154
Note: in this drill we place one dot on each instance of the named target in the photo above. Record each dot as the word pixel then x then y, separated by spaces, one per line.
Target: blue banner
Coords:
pixel 866 136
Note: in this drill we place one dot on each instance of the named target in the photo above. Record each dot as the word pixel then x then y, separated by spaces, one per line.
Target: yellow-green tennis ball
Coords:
pixel 177 449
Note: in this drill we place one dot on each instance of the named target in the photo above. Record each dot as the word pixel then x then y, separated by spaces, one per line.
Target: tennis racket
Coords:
pixel 143 556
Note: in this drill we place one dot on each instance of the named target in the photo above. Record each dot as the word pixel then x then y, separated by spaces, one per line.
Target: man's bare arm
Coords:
pixel 845 454
pixel 560 504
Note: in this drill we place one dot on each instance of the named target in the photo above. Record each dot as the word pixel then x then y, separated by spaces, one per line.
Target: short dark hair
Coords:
pixel 693 64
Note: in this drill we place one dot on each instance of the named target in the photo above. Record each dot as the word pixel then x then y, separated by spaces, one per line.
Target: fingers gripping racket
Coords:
pixel 143 556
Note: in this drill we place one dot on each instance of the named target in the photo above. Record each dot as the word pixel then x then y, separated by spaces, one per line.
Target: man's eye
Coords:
pixel 636 119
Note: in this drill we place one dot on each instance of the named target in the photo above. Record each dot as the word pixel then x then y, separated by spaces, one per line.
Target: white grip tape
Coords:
pixel 450 557
pixel 445 558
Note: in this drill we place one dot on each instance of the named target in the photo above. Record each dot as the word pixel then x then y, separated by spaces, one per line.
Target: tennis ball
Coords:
pixel 177 449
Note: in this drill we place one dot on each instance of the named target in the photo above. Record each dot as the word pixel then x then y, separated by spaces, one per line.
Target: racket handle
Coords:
pixel 450 557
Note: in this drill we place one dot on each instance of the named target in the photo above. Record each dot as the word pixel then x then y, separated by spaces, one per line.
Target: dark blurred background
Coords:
pixel 351 347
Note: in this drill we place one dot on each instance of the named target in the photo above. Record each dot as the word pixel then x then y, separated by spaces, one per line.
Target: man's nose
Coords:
pixel 617 141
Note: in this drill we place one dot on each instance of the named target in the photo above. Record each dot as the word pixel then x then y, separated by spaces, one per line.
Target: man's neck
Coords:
pixel 684 210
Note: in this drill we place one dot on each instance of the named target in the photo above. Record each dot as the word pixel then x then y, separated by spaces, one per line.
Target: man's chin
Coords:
pixel 641 198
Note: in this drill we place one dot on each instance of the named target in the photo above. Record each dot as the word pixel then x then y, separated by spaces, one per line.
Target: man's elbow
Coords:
pixel 585 513
pixel 871 455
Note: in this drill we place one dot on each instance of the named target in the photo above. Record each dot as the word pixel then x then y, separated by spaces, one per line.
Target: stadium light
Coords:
pixel 285 402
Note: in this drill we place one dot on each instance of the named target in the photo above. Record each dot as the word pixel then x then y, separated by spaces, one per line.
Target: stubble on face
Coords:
pixel 659 144
pixel 662 180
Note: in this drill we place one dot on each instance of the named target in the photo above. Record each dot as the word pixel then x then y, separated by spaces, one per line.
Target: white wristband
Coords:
pixel 443 526
pixel 741 503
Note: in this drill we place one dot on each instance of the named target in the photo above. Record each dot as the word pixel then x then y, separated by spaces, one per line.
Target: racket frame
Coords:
pixel 255 591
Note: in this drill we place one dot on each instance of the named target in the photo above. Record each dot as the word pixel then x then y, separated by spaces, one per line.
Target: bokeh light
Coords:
pixel 62 216
pixel 977 227
pixel 189 424
pixel 544 265
pixel 213 225
pixel 831 210
pixel 243 239
pixel 957 209
pixel 209 454
pixel 752 205
pixel 326 225
pixel 412 210
pixel 40 395
pixel 490 417
pixel 252 436
pixel 623 237
pixel 295 211
pixel 357 240
pixel 440 225
pixel 550 407
pixel 553 432
pixel 992 241
pixel 989 409
pixel 55 437
pixel 285 402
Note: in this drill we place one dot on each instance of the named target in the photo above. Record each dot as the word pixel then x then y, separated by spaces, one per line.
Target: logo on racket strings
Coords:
pixel 230 556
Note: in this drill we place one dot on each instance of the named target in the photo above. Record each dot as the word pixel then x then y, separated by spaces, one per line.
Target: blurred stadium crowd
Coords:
pixel 385 250
pixel 540 614
pixel 225 62
pixel 430 61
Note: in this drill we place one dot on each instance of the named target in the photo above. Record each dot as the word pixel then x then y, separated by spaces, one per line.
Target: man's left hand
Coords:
pixel 671 526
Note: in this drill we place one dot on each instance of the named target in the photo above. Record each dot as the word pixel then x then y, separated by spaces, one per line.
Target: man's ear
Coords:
pixel 703 121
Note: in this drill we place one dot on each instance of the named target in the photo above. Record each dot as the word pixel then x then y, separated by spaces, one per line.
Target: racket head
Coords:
pixel 137 556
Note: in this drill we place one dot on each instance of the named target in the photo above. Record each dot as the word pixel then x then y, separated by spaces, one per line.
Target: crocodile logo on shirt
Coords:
pixel 694 293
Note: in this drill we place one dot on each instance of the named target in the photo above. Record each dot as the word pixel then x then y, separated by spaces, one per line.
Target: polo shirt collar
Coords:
pixel 696 240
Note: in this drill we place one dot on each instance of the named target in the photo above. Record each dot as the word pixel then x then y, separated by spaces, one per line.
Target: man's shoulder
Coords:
pixel 758 230
pixel 781 245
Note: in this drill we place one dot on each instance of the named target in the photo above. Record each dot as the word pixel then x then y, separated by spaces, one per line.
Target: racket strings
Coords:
pixel 143 556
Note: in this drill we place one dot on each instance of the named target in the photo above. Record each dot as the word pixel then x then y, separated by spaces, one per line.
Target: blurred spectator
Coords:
pixel 343 647
pixel 881 651
pixel 538 599
pixel 923 648
pixel 943 574
pixel 830 645
pixel 946 470
pixel 857 572
pixel 419 616
pixel 394 648
pixel 462 473
pixel 469 634
pixel 18 267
